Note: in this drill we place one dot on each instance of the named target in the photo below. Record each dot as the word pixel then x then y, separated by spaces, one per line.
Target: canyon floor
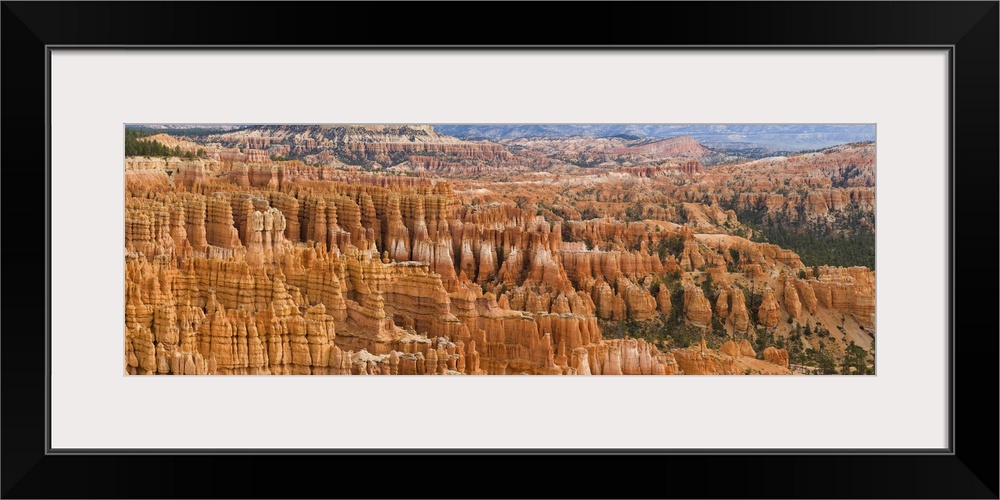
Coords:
pixel 367 250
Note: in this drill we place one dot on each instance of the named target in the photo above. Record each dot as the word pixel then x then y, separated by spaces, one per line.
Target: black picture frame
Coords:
pixel 969 31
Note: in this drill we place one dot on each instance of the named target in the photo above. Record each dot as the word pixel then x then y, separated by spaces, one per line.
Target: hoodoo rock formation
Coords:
pixel 398 250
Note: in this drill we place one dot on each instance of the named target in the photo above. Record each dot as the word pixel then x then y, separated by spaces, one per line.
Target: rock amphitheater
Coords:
pixel 401 251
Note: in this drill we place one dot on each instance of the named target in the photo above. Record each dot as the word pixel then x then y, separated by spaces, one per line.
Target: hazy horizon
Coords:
pixel 778 137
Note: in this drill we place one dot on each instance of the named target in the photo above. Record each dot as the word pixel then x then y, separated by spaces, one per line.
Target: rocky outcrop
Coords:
pixel 769 311
pixel 807 295
pixel 722 304
pixel 697 309
pixel 738 315
pixel 734 349
pixel 730 348
pixel 776 356
pixel 703 361
pixel 639 303
pixel 663 303
pixel 691 258
pixel 792 303
pixel 847 290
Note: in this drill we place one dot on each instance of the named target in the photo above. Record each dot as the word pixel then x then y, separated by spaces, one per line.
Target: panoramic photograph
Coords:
pixel 499 249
